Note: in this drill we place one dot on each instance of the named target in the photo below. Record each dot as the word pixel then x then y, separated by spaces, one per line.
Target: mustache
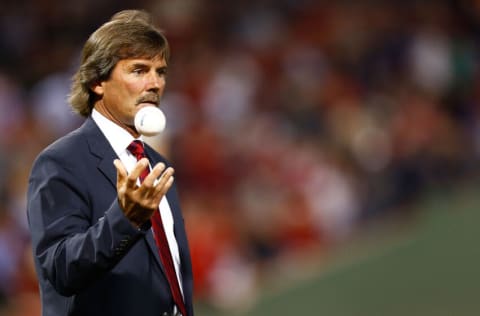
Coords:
pixel 149 98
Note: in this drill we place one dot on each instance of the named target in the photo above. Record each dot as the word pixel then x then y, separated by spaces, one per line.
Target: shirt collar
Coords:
pixel 118 137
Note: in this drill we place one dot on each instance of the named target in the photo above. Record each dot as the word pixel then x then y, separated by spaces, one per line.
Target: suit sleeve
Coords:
pixel 70 250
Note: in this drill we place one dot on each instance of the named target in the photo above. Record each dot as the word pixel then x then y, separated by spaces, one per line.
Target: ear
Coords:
pixel 98 88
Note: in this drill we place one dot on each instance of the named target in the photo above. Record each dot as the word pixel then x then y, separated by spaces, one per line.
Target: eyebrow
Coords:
pixel 139 65
pixel 145 65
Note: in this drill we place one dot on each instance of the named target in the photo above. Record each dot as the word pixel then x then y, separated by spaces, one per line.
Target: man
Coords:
pixel 97 207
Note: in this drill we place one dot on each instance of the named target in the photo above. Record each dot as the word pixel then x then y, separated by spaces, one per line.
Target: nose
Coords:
pixel 155 82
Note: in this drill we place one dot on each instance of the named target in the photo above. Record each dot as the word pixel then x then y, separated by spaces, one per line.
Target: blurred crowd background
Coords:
pixel 292 124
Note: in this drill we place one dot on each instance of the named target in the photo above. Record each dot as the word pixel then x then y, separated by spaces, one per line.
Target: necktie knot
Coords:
pixel 136 148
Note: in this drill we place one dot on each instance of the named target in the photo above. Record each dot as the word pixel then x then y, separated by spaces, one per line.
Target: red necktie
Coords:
pixel 136 148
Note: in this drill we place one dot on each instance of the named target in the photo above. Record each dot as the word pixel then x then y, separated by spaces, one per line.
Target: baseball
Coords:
pixel 150 121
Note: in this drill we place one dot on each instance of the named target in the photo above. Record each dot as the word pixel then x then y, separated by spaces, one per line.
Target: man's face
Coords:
pixel 133 84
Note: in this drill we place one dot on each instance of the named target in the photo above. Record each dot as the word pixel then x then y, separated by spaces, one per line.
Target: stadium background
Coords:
pixel 326 152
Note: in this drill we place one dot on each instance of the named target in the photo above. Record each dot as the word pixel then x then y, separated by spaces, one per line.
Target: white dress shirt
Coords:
pixel 119 139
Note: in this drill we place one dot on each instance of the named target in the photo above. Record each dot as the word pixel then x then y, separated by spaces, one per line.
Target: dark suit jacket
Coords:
pixel 89 259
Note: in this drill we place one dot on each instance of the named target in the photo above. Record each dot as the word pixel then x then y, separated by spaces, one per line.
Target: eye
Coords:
pixel 138 71
pixel 162 71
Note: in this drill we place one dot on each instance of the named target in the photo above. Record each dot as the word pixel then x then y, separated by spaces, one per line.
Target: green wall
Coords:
pixel 431 268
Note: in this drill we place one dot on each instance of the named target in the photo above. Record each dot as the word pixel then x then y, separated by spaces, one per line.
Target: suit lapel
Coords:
pixel 101 148
pixel 181 237
pixel 153 248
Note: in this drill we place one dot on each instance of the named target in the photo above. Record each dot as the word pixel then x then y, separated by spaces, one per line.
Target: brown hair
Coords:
pixel 128 34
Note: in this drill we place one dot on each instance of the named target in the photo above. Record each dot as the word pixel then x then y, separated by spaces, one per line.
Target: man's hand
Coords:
pixel 139 202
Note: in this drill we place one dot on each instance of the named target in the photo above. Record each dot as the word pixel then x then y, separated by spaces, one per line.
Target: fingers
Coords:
pixel 121 171
pixel 157 183
pixel 136 172
pixel 166 186
pixel 151 179
pixel 165 181
pixel 140 202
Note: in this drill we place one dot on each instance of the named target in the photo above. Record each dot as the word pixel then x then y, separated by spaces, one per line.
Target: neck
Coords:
pixel 102 109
